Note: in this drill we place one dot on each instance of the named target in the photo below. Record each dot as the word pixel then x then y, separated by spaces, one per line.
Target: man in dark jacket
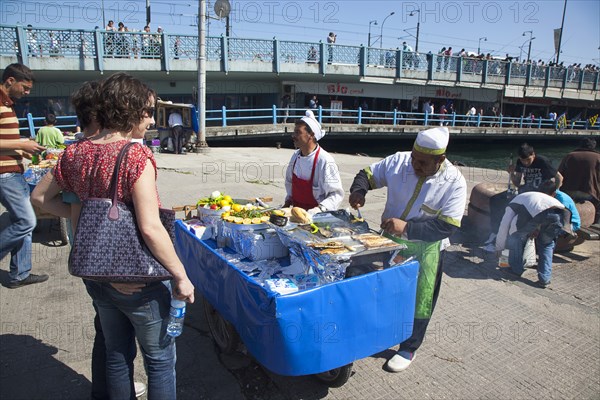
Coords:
pixel 581 172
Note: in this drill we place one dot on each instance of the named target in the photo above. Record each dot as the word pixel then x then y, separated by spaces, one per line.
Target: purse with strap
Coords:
pixel 108 245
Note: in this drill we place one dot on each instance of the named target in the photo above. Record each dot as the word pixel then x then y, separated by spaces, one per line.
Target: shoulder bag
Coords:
pixel 108 245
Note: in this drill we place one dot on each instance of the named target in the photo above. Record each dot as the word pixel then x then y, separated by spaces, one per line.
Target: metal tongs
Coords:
pixel 359 214
pixel 266 206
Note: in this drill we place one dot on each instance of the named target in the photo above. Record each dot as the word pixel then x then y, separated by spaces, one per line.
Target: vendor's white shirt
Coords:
pixel 327 184
pixel 442 196
pixel 534 203
pixel 175 119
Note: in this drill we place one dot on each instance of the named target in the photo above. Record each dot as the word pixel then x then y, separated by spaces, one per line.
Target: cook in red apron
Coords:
pixel 302 194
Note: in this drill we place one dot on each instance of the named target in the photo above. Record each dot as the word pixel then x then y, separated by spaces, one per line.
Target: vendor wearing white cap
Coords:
pixel 425 203
pixel 312 179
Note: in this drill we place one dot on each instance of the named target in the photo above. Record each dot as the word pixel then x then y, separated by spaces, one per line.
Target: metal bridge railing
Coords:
pixel 275 115
pixel 299 52
pixel 28 42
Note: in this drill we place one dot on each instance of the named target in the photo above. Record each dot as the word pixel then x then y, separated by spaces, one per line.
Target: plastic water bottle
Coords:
pixel 176 316
pixel 503 260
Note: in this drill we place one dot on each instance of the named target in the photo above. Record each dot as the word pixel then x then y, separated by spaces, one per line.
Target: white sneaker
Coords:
pixel 140 389
pixel 400 361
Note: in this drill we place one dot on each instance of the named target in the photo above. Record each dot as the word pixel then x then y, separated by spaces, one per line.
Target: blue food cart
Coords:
pixel 319 331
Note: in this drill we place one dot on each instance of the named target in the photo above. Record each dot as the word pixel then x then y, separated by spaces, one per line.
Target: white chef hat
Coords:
pixel 432 141
pixel 314 125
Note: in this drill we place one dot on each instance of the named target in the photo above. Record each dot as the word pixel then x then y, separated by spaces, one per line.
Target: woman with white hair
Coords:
pixel 312 179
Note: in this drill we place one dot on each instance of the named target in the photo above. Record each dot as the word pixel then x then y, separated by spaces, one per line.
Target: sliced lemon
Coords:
pixel 246 221
pixel 225 215
pixel 256 221
pixel 238 220
pixel 230 219
pixel 264 218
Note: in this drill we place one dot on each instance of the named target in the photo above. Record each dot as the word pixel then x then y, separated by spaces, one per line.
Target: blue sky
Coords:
pixel 459 24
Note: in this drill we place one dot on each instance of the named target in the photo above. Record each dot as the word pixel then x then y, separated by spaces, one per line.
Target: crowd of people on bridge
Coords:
pixel 119 44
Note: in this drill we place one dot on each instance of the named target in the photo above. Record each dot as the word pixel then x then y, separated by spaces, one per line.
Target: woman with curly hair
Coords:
pixel 125 109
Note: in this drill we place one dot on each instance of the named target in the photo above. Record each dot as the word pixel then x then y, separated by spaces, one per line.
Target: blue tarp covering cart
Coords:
pixel 310 331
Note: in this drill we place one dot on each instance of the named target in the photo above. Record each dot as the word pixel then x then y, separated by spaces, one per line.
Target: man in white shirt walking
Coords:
pixel 177 134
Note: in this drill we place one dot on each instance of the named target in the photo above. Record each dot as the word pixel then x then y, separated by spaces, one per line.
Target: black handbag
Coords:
pixel 108 245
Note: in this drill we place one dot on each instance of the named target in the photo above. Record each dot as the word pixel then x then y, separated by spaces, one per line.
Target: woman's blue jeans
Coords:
pixel 144 316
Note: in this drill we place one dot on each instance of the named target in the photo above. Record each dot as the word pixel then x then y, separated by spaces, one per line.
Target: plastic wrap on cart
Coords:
pixel 309 331
pixel 261 244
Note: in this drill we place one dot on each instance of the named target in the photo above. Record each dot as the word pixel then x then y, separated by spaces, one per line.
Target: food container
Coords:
pixel 208 212
pixel 245 227
pixel 278 220
pixel 255 244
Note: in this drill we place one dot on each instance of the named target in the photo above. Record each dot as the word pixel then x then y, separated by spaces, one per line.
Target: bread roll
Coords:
pixel 301 216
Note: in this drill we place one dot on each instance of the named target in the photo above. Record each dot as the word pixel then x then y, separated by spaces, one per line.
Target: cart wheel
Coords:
pixel 336 377
pixel 64 231
pixel 223 333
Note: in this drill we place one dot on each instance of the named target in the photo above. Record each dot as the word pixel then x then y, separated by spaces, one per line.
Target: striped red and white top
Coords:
pixel 10 160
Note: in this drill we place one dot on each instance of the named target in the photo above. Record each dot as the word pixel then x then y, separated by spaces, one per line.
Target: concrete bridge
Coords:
pixel 247 77
pixel 373 131
pixel 55 50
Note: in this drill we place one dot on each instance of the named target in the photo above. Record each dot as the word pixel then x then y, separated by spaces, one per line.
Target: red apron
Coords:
pixel 302 194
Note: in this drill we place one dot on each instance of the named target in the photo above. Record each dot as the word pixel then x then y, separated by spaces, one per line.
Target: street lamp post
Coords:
pixel 412 13
pixel 530 40
pixel 201 137
pixel 381 35
pixel 374 22
pixel 223 7
pixel 479 44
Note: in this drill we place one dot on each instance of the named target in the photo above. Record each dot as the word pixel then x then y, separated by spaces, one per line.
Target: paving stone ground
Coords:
pixel 491 336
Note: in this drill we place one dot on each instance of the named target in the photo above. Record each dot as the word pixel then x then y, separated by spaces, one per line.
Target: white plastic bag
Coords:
pixel 529 257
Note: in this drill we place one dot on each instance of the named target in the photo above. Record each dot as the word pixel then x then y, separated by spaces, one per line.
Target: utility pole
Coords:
pixel 148 12
pixel 479 44
pixel 222 8
pixel 383 23
pixel 103 18
pixel 530 40
pixel 412 14
pixel 201 137
pixel 418 27
pixel 562 25
pixel 374 22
